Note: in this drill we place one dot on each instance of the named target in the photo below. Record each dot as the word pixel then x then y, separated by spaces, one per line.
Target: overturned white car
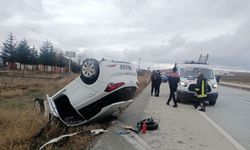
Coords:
pixel 103 89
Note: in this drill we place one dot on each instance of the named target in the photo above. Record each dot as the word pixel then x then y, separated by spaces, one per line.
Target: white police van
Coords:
pixel 188 72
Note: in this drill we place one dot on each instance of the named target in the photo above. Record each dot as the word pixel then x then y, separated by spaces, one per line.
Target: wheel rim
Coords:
pixel 88 69
pixel 38 107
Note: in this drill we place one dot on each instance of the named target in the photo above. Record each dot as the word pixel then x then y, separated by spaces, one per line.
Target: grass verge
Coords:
pixel 22 128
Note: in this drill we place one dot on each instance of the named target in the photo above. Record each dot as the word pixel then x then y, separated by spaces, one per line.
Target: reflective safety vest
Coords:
pixel 201 87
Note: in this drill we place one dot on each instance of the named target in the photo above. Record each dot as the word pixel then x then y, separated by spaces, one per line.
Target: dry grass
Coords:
pixel 21 128
pixel 56 128
pixel 12 84
pixel 18 122
pixel 143 82
pixel 29 73
pixel 29 88
pixel 11 94
pixel 18 127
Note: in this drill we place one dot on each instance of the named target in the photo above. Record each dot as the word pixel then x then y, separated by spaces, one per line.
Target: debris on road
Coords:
pixel 88 132
pixel 126 127
pixel 150 124
pixel 123 132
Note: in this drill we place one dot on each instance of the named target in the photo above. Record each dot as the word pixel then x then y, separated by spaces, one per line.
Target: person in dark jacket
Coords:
pixel 173 81
pixel 201 90
pixel 158 83
pixel 153 82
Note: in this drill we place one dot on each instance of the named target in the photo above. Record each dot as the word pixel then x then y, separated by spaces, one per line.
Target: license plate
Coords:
pixel 125 67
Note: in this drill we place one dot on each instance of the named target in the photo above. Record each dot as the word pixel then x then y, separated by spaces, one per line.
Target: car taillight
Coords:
pixel 113 86
pixel 113 65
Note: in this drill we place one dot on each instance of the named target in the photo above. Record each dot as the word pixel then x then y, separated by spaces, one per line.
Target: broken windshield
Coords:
pixel 192 73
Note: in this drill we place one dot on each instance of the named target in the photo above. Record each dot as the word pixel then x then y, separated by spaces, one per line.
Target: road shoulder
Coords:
pixel 235 85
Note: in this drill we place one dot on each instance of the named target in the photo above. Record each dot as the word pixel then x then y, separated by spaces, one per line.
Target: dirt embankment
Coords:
pixel 21 128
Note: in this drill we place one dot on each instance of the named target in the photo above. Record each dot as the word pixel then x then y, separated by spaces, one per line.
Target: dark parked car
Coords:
pixel 164 78
pixel 218 78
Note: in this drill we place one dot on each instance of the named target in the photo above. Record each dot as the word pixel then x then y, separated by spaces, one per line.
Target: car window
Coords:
pixel 190 72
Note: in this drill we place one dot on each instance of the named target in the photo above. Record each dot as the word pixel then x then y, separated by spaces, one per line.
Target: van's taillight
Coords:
pixel 113 86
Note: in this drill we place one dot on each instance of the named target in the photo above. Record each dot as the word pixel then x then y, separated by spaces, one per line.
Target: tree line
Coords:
pixel 23 53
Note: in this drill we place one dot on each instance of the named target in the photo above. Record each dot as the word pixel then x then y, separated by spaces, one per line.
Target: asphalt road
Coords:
pixel 232 113
pixel 180 128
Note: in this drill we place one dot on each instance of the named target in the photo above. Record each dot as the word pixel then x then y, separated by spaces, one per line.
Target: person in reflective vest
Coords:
pixel 201 90
pixel 173 81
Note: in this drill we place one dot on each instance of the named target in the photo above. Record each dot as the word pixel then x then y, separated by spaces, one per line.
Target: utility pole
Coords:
pixel 70 55
pixel 69 66
pixel 139 63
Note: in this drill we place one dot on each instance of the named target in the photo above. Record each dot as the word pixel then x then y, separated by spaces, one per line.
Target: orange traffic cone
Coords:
pixel 144 128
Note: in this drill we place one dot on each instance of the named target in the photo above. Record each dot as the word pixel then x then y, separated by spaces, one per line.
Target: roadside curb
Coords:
pixel 233 85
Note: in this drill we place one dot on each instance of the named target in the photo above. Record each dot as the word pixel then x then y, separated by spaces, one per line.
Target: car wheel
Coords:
pixel 212 102
pixel 39 105
pixel 90 71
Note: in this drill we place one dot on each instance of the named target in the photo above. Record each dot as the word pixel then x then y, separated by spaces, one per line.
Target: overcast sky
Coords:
pixel 161 32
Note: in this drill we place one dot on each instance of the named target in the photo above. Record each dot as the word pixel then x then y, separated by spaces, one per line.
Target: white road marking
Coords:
pixel 244 101
pixel 137 142
pixel 141 141
pixel 223 132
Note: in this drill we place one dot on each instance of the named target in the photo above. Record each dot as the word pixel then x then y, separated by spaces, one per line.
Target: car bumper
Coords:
pixel 111 110
pixel 106 106
pixel 188 96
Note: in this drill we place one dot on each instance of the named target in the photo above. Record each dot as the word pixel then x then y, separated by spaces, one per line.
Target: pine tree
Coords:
pixel 9 49
pixel 34 58
pixel 61 61
pixel 23 53
pixel 47 54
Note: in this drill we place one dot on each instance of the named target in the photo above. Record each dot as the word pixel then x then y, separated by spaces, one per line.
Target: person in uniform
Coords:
pixel 173 81
pixel 158 83
pixel 153 82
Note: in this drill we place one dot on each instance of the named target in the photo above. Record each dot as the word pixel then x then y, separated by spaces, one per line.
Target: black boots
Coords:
pixel 168 102
pixel 174 105
pixel 202 109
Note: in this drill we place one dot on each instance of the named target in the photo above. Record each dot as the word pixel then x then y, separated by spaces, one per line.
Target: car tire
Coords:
pixel 90 71
pixel 212 102
pixel 39 105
